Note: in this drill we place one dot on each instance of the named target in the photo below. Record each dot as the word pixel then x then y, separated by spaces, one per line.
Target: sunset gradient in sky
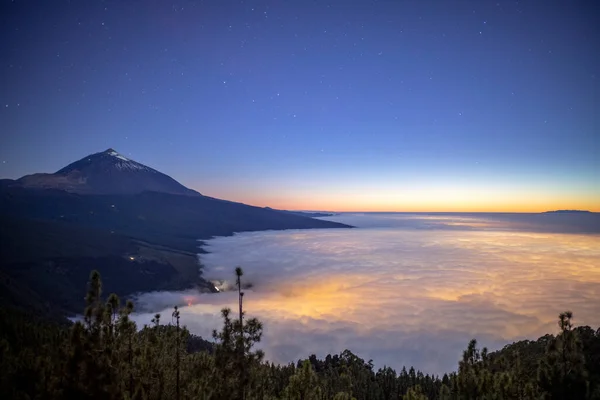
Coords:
pixel 337 105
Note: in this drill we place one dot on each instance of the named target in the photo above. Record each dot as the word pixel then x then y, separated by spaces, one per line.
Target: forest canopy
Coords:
pixel 106 356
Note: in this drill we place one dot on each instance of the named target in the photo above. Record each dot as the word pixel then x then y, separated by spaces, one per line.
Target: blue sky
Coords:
pixel 297 104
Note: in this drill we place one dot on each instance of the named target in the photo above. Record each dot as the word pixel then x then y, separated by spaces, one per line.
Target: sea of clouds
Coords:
pixel 401 289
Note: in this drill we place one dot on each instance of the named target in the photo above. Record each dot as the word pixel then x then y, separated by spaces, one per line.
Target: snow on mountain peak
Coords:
pixel 132 165
pixel 125 163
pixel 113 153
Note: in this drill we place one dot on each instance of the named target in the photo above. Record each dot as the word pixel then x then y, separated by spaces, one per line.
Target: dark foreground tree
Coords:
pixel 562 373
pixel 234 357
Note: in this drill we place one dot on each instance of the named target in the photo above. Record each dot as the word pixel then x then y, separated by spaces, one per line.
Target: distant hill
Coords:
pixel 567 212
pixel 139 227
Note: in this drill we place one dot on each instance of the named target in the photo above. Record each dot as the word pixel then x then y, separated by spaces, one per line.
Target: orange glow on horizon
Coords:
pixel 418 197
pixel 341 207
pixel 438 203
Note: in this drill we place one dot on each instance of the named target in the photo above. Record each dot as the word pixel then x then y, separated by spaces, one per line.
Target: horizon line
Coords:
pixel 574 211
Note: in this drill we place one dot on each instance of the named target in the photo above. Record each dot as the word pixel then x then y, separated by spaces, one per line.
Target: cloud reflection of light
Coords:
pixel 403 296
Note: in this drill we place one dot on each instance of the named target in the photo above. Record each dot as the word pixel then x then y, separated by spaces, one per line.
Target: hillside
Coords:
pixel 160 218
pixel 45 262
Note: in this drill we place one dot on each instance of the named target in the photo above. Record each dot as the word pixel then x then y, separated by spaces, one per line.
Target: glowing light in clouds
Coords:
pixel 402 296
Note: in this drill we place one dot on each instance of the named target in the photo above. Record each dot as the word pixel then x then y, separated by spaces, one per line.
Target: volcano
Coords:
pixel 107 172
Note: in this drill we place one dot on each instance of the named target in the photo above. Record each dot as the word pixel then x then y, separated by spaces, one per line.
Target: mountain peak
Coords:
pixel 107 172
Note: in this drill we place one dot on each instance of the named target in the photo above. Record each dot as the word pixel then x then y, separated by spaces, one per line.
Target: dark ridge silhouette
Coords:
pixel 567 212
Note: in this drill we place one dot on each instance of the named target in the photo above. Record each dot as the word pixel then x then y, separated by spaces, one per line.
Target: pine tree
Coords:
pixel 414 393
pixel 233 352
pixel 177 349
pixel 240 337
pixel 128 332
pixel 562 373
pixel 386 379
pixel 303 385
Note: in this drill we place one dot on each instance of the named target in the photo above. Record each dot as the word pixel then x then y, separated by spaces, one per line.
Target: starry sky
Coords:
pixel 347 105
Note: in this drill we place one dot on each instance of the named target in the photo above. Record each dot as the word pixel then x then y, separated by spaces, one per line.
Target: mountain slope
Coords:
pixel 107 172
pixel 159 218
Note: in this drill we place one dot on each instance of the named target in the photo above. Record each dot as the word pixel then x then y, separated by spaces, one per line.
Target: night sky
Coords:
pixel 340 105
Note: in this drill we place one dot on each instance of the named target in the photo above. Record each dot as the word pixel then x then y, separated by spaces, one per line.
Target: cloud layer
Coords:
pixel 400 291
